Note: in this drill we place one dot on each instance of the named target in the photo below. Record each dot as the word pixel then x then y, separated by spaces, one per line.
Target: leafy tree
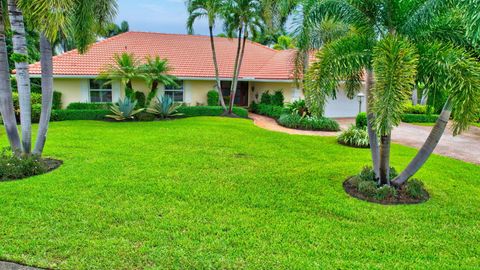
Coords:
pixel 399 44
pixel 284 43
pixel 155 72
pixel 212 10
pixel 115 29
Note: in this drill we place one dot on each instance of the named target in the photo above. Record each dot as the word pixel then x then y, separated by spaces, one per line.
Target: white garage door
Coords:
pixel 343 106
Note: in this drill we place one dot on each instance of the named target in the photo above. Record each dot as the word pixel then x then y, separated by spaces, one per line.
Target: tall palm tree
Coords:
pixel 155 72
pixel 6 101
pixel 212 10
pixel 243 16
pixel 125 69
pixel 20 57
pixel 409 46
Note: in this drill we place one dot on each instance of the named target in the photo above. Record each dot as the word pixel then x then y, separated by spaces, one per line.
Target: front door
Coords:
pixel 241 95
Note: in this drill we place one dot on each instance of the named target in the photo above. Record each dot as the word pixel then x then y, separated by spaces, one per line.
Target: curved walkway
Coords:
pixel 464 147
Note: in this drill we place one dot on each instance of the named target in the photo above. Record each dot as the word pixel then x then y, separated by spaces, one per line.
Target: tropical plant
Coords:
pixel 284 43
pixel 298 107
pixel 277 98
pixel 212 10
pixel 155 72
pixel 126 67
pixel 124 109
pixel 308 122
pixel 399 44
pixel 361 120
pixel 212 98
pixel 354 136
pixel 165 107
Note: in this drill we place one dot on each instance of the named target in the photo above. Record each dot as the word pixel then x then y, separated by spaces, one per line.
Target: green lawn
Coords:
pixel 221 193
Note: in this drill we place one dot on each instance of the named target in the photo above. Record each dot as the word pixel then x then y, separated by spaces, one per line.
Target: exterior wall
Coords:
pixel 70 89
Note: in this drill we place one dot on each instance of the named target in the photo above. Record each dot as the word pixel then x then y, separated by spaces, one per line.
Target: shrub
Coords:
pixel 141 99
pixel 209 111
pixel 277 99
pixel 270 110
pixel 419 118
pixel 36 111
pixel 212 98
pixel 57 100
pixel 124 109
pixel 385 192
pixel 145 116
pixel 266 98
pixel 361 120
pixel 13 167
pixel 414 188
pixel 408 108
pixel 368 188
pixel 367 174
pixel 356 137
pixel 88 106
pixel 298 107
pixel 64 115
pixel 308 122
pixel 165 107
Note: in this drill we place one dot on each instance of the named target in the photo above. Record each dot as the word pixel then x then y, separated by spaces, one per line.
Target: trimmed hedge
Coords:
pixel 414 109
pixel 88 106
pixel 268 110
pixel 209 111
pixel 419 118
pixel 361 121
pixel 308 123
pixel 63 115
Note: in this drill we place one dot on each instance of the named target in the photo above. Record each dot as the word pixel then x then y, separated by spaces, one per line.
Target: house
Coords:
pixel 190 58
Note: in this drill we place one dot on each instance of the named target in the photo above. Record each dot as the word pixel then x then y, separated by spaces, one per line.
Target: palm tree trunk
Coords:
pixel 235 69
pixel 372 135
pixel 23 77
pixel 245 36
pixel 6 100
pixel 47 93
pixel 428 147
pixel 385 159
pixel 217 75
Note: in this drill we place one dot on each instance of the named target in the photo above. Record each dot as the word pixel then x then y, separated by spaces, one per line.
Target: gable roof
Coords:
pixel 189 56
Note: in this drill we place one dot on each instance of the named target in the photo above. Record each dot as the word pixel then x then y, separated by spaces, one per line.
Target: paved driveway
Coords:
pixel 464 147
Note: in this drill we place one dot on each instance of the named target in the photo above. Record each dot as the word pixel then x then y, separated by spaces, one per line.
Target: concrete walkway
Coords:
pixel 15 266
pixel 464 147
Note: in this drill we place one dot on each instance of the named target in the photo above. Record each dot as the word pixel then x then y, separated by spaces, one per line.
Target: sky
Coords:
pixel 166 16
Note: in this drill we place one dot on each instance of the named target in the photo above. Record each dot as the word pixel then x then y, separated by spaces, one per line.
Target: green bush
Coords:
pixel 13 167
pixel 277 99
pixel 368 188
pixel 356 137
pixel 212 98
pixel 266 98
pixel 419 118
pixel 408 108
pixel 35 98
pixel 308 123
pixel 385 192
pixel 269 110
pixel 361 120
pixel 57 100
pixel 141 99
pixel 64 115
pixel 145 117
pixel 367 174
pixel 298 107
pixel 88 106
pixel 414 188
pixel 36 111
pixel 209 111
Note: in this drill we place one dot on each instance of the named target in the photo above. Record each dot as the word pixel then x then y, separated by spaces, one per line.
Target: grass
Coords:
pixel 221 193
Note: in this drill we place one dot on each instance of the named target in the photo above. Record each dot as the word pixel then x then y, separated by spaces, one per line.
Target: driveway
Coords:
pixel 464 147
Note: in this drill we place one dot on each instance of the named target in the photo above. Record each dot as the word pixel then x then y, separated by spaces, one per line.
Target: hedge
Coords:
pixel 308 123
pixel 419 118
pixel 268 110
pixel 210 111
pixel 63 115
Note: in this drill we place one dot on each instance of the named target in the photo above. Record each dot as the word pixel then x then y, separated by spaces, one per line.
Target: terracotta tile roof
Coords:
pixel 189 56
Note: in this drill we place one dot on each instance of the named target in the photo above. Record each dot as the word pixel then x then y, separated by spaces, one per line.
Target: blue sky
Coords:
pixel 166 16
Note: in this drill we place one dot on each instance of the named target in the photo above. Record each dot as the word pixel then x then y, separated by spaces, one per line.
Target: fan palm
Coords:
pixel 155 72
pixel 125 69
pixel 399 44
pixel 212 10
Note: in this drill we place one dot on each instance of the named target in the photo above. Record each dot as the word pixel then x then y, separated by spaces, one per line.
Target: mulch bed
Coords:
pixel 401 198
pixel 52 164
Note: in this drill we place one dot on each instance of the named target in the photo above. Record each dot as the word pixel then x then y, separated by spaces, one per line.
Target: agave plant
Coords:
pixel 124 109
pixel 165 107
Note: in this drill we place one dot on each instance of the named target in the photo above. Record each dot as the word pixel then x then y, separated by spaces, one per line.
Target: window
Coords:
pixel 175 91
pixel 100 91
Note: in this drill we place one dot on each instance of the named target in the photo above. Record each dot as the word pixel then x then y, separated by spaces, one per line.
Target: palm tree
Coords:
pixel 284 43
pixel 6 101
pixel 400 44
pixel 243 16
pixel 125 69
pixel 212 10
pixel 155 72
pixel 20 57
